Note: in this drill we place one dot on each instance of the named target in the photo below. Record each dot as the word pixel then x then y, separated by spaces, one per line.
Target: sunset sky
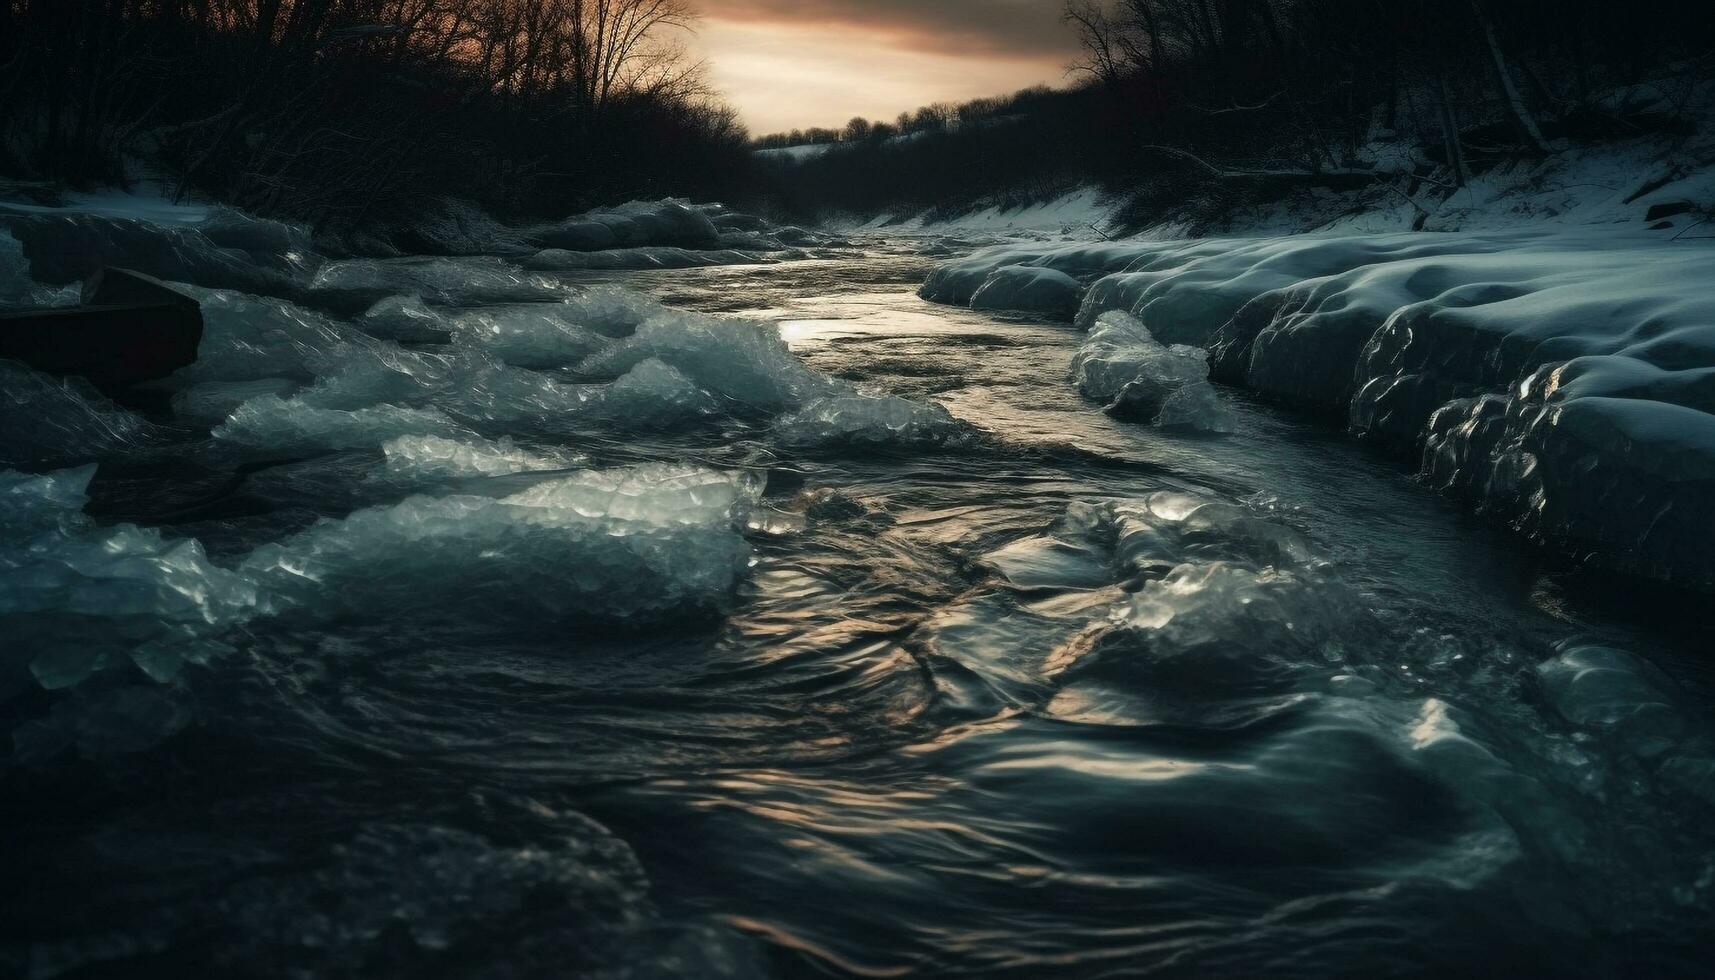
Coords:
pixel 787 64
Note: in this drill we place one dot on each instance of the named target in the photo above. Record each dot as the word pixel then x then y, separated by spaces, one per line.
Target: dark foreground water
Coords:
pixel 1052 696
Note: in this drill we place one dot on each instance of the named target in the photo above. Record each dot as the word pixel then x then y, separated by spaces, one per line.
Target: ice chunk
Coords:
pixel 31 502
pixel 77 598
pixel 623 545
pixel 1142 398
pixel 1167 529
pixel 420 458
pixel 611 311
pixel 15 281
pixel 541 335
pixel 1120 362
pixel 1120 349
pixel 1196 406
pixel 653 395
pixel 230 228
pixel 451 226
pixel 213 401
pixel 46 419
pixel 246 338
pixel 405 318
pixel 1226 624
pixel 742 361
pixel 494 398
pixel 1029 288
pixel 353 376
pixel 272 424
pixel 355 285
pixel 871 420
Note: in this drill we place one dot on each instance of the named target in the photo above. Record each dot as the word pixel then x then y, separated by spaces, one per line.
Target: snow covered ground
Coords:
pixel 799 153
pixel 1083 213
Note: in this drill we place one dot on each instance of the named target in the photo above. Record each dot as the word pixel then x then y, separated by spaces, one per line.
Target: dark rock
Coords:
pixel 130 328
pixel 1668 209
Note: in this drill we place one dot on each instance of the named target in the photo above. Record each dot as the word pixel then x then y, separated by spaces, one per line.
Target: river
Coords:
pixel 1025 692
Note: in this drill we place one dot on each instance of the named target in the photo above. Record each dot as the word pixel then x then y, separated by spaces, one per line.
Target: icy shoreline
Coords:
pixel 1560 379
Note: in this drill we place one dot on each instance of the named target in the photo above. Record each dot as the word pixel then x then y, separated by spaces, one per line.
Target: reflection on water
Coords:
pixel 1073 697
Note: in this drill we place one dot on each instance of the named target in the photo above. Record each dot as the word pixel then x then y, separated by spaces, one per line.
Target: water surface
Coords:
pixel 1067 697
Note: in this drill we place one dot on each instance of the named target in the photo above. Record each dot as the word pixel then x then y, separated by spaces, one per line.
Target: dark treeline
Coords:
pixel 1025 147
pixel 1189 103
pixel 937 118
pixel 346 111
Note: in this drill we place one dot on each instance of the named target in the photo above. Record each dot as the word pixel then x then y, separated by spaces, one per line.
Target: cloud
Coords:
pixel 972 28
pixel 787 76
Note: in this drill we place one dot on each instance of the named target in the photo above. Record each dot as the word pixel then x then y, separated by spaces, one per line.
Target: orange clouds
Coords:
pixel 794 63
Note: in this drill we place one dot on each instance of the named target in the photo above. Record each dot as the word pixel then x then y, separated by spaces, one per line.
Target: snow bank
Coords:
pixel 798 153
pixel 1561 378
pixel 1076 213
pixel 1027 289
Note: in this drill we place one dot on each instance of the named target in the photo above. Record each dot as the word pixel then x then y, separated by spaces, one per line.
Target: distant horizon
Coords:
pixel 797 64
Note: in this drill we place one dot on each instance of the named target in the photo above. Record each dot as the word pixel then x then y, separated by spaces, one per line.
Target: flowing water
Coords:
pixel 1046 695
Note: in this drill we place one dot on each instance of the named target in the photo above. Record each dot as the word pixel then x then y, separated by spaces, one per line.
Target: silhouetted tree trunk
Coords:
pixel 1452 145
pixel 1510 94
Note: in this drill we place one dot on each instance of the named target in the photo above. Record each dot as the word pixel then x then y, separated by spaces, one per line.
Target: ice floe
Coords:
pixel 848 420
pixel 610 545
pixel 1142 380
pixel 77 597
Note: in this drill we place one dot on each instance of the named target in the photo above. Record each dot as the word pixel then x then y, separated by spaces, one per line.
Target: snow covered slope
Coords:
pixel 1077 214
pixel 1563 378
